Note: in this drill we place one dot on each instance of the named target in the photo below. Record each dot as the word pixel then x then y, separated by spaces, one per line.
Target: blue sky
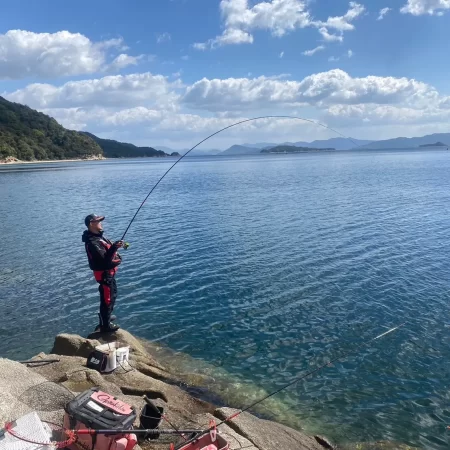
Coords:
pixel 170 72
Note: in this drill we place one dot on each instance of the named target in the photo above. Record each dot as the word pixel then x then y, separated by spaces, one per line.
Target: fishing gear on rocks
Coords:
pixel 214 134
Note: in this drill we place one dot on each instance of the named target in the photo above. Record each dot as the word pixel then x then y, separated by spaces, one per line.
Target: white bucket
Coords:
pixel 122 355
pixel 111 359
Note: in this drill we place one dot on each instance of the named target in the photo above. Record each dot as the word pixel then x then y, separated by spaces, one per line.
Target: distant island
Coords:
pixel 403 143
pixel 328 144
pixel 437 144
pixel 293 149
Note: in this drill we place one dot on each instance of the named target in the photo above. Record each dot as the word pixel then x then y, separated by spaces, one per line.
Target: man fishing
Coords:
pixel 103 261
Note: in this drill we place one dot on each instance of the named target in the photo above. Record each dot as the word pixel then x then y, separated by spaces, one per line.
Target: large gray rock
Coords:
pixel 138 384
pixel 71 371
pixel 267 435
pixel 23 391
pixel 73 345
pixel 129 386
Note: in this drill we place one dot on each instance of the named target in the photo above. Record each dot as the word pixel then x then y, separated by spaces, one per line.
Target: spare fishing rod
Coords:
pixel 214 134
pixel 296 380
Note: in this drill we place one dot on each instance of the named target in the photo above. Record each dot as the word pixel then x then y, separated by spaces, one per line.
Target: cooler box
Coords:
pixel 98 410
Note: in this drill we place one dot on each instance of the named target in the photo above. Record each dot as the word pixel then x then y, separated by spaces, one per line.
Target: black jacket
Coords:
pixel 101 252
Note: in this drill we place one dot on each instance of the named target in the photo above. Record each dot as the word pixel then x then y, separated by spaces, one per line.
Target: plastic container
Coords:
pixel 110 354
pixel 122 355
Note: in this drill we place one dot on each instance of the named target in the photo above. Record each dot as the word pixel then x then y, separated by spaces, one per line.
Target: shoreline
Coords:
pixel 145 375
pixel 8 162
pixel 184 394
pixel 11 162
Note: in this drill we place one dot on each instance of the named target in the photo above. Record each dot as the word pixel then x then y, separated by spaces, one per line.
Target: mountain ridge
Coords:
pixel 405 143
pixel 335 143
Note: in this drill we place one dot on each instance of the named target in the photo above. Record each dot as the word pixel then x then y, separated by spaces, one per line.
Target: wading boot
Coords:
pixel 99 326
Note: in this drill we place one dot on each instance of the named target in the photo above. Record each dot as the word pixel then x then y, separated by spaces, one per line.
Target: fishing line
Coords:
pixel 220 131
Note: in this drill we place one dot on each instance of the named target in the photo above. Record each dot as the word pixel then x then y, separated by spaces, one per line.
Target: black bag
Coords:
pixel 97 360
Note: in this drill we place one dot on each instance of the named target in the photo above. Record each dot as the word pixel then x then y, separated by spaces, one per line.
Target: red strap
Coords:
pixel 213 432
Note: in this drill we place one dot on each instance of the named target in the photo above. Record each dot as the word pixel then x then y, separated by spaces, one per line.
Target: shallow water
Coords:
pixel 263 266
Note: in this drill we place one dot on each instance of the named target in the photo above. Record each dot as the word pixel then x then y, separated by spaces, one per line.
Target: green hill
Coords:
pixel 116 149
pixel 28 135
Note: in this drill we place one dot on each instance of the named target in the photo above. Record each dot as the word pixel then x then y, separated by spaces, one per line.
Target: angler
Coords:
pixel 103 261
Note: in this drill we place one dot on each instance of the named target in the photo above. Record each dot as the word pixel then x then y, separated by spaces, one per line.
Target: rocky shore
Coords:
pixel 13 160
pixel 145 376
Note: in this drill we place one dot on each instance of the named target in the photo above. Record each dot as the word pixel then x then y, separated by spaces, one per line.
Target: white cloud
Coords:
pixel 146 106
pixel 313 51
pixel 145 126
pixel 24 54
pixel 350 53
pixel 421 7
pixel 343 23
pixel 444 103
pixel 118 91
pixel 340 23
pixel 383 13
pixel 375 115
pixel 330 37
pixel 124 60
pixel 322 89
pixel 163 37
pixel 201 45
pixel 281 54
pixel 239 93
pixel 229 36
pixel 333 58
pixel 277 16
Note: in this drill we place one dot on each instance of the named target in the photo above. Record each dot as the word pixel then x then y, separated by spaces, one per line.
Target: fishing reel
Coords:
pixel 126 245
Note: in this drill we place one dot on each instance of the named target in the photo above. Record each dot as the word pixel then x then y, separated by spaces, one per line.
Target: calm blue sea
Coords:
pixel 261 267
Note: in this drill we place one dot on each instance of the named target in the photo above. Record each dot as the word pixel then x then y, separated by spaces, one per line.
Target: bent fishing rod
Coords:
pixel 296 380
pixel 214 134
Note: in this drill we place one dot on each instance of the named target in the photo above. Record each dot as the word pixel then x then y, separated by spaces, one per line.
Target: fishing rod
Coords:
pixel 214 134
pixel 296 380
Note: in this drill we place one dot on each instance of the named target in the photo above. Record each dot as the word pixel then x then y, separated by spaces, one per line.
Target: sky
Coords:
pixel 171 72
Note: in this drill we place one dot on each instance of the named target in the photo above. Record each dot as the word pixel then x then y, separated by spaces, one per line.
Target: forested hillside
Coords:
pixel 26 134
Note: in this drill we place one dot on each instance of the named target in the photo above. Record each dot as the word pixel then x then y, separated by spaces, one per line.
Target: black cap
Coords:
pixel 91 217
